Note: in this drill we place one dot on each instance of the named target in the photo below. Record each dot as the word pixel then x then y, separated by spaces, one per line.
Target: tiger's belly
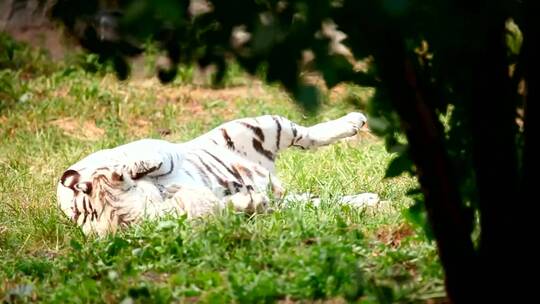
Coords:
pixel 221 171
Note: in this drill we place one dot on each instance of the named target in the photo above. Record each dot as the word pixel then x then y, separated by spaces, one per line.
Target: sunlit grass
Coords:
pixel 300 252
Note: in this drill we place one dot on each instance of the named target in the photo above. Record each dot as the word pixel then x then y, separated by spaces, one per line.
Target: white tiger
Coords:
pixel 234 163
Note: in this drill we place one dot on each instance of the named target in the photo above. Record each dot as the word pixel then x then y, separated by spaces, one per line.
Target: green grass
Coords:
pixel 50 119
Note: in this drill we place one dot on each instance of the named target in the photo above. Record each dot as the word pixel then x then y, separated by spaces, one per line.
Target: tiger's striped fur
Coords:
pixel 234 163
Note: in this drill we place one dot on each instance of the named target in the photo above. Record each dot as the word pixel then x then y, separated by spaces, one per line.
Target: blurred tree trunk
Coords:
pixel 446 214
pixel 494 153
pixel 526 227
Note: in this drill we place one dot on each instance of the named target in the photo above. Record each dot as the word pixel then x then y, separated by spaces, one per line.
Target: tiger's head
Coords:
pixel 75 193
pixel 105 200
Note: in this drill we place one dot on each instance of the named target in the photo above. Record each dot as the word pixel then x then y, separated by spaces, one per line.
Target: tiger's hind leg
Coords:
pixel 201 201
pixel 259 139
pixel 327 133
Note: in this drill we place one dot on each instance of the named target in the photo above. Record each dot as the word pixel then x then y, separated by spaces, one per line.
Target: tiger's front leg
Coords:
pixel 248 202
pixel 201 201
pixel 151 158
pixel 193 201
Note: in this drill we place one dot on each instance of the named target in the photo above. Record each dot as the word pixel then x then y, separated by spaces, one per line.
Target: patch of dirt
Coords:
pixel 338 92
pixel 393 237
pixel 200 102
pixel 190 93
pixel 227 94
pixel 140 127
pixel 86 130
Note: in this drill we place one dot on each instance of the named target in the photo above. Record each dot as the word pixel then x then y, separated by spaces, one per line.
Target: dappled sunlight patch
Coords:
pixel 85 130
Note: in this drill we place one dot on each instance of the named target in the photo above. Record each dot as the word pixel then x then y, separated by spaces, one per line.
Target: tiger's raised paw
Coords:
pixel 355 121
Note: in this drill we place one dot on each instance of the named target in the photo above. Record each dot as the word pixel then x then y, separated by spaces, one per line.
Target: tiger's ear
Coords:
pixel 84 187
pixel 70 178
pixel 117 177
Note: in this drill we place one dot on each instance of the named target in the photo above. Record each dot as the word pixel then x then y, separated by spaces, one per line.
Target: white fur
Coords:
pixel 233 163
